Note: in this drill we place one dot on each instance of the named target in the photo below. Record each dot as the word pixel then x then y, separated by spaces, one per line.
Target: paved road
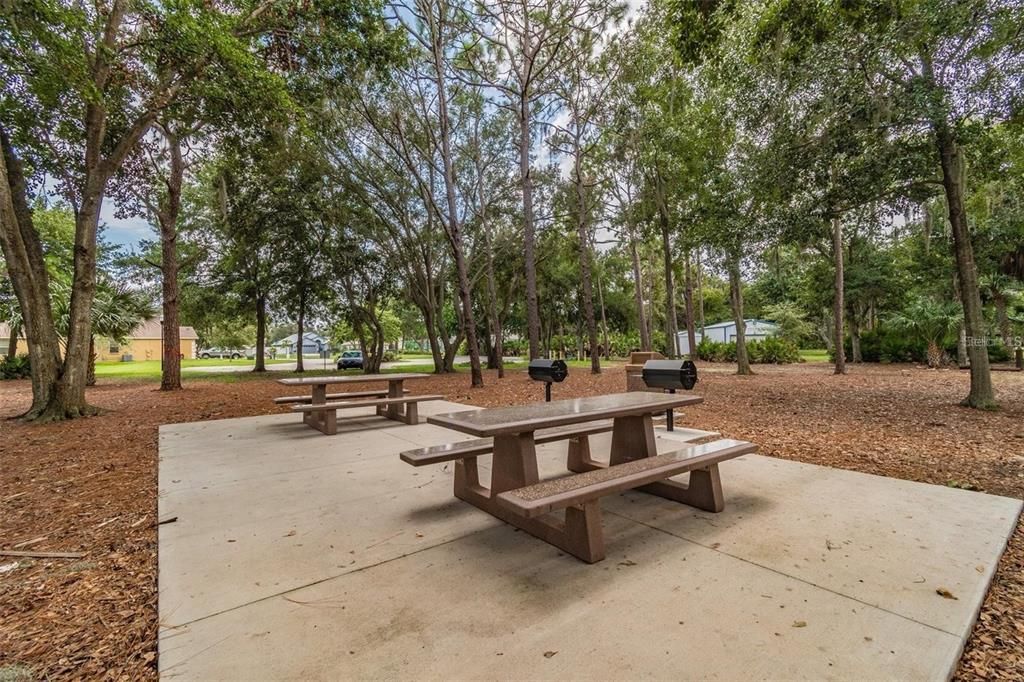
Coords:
pixel 313 363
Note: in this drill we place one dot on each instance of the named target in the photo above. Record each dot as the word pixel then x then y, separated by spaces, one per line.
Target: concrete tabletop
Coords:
pixel 525 418
pixel 352 379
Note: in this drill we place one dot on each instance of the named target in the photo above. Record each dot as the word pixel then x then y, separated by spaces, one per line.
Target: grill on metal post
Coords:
pixel 548 371
pixel 670 375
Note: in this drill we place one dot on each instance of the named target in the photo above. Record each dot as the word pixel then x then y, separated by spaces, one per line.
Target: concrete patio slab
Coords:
pixel 298 555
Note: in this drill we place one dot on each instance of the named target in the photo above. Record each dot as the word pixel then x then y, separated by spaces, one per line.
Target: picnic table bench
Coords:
pixel 518 497
pixel 320 409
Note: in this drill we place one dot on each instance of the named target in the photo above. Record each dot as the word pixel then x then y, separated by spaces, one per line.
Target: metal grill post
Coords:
pixel 669 418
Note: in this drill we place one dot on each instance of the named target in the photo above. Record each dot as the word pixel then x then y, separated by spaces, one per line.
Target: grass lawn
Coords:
pixel 150 369
pixel 814 355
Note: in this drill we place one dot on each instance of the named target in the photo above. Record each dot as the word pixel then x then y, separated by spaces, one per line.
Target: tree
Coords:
pixel 528 43
pixel 581 89
pixel 942 69
pixel 86 83
pixel 930 321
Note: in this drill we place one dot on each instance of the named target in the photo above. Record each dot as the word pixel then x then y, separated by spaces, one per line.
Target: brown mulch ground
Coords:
pixel 90 486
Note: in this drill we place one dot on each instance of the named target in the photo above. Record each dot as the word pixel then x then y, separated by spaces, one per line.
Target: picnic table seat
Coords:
pixel 376 402
pixel 484 446
pixel 588 487
pixel 379 393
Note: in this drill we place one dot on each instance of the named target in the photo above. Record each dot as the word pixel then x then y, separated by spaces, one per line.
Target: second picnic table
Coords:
pixel 320 414
pixel 517 496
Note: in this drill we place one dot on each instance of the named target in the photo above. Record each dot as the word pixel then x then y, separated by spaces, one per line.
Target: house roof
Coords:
pixel 308 336
pixel 730 323
pixel 150 329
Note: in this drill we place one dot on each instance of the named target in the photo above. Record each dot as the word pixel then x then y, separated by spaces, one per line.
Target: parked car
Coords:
pixel 351 359
pixel 230 353
pixel 268 353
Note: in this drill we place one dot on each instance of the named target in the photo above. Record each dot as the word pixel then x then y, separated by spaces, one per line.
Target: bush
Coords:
pixel 887 345
pixel 16 367
pixel 770 351
pixel 773 351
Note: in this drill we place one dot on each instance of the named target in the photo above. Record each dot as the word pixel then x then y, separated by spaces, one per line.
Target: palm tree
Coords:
pixel 929 321
pixel 116 312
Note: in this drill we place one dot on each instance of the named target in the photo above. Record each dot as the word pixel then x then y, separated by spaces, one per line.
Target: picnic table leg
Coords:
pixel 633 438
pixel 318 420
pixel 514 465
pixel 395 391
pixel 578 458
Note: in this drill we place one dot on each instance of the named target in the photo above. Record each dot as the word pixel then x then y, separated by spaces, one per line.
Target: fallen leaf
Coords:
pixel 549 654
pixel 945 594
pixel 799 624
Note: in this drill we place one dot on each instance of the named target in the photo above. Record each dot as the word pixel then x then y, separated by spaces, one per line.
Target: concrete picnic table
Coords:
pixel 321 420
pixel 633 448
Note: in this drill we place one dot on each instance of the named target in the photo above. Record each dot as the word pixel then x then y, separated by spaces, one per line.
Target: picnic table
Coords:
pixel 319 409
pixel 518 497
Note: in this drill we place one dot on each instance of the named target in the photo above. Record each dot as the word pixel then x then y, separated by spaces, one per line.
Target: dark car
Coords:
pixel 351 359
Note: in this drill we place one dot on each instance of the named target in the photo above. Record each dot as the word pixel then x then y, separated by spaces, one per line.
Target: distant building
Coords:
pixel 311 343
pixel 144 343
pixel 726 331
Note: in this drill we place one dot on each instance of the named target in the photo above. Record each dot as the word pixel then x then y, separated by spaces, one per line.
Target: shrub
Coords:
pixel 16 367
pixel 771 350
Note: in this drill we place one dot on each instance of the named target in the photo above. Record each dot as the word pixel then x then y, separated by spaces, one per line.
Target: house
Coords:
pixel 312 344
pixel 726 331
pixel 144 343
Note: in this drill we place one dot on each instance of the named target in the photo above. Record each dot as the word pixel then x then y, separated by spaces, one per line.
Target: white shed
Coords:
pixel 726 331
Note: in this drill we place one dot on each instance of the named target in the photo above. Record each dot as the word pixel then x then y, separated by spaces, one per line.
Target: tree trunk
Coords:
pixel 933 353
pixel 167 216
pixel 671 321
pixel 23 255
pixel 261 332
pixel 961 347
pixel 15 331
pixel 452 228
pixel 532 311
pixel 604 319
pixel 691 328
pixel 838 304
pixel 12 341
pixel 432 338
pixel 736 294
pixel 855 342
pixel 700 293
pixel 492 306
pixel 981 394
pixel 638 296
pixel 582 234
pixel 450 351
pixel 90 375
pixel 68 401
pixel 300 341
